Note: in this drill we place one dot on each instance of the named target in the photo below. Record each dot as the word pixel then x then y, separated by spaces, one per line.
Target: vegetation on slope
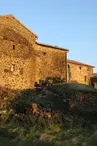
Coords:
pixel 52 114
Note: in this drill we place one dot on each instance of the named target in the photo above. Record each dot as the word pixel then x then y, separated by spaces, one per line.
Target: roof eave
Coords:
pixel 79 63
pixel 56 47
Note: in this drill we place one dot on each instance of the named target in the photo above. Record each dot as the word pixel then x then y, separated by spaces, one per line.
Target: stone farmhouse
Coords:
pixel 23 61
pixel 79 72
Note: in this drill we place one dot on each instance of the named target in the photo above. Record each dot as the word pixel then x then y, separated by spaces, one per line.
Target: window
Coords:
pixel 44 53
pixel 85 78
pixel 6 70
pixel 68 67
pixel 88 69
pixel 13 47
pixel 80 67
pixel 69 72
pixel 12 67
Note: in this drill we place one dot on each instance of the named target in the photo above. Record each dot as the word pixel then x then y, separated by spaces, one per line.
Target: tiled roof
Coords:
pixel 51 46
pixel 12 16
pixel 79 63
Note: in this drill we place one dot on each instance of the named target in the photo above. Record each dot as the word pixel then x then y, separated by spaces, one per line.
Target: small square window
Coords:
pixel 13 47
pixel 88 69
pixel 80 67
pixel 6 70
pixel 44 53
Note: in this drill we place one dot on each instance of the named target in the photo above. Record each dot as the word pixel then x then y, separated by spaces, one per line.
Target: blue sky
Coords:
pixel 70 24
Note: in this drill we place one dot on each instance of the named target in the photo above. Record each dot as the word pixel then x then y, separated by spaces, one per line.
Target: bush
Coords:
pixel 49 81
pixel 21 102
pixel 68 104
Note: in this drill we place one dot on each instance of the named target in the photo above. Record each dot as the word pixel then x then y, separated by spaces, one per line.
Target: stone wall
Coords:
pixel 21 66
pixel 50 62
pixel 22 60
pixel 94 80
pixel 79 73
pixel 95 85
pixel 16 54
pixel 8 22
pixel 16 65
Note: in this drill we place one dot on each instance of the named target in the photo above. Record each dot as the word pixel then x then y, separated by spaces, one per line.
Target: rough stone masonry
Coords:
pixel 23 61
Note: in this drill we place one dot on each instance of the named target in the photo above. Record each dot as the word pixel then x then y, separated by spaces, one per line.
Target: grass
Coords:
pixel 68 138
pixel 5 141
pixel 77 87
pixel 27 134
pixel 54 135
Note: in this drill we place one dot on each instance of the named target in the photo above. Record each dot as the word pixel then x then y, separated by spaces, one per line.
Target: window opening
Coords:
pixel 80 67
pixel 12 67
pixel 13 47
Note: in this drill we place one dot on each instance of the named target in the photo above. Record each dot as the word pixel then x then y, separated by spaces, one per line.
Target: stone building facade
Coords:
pixel 23 61
pixel 50 61
pixel 79 72
pixel 94 80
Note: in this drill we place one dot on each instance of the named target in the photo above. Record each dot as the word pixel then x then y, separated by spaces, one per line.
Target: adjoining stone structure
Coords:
pixel 50 61
pixel 94 80
pixel 23 61
pixel 79 72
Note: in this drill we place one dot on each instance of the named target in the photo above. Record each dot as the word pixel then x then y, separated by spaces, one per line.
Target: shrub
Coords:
pixel 21 102
pixel 71 105
pixel 49 81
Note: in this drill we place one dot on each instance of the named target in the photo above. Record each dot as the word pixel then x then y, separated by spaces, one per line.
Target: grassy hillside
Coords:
pixel 49 115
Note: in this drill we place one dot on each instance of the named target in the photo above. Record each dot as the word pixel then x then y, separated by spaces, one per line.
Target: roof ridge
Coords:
pixel 77 62
pixel 48 45
pixel 12 16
